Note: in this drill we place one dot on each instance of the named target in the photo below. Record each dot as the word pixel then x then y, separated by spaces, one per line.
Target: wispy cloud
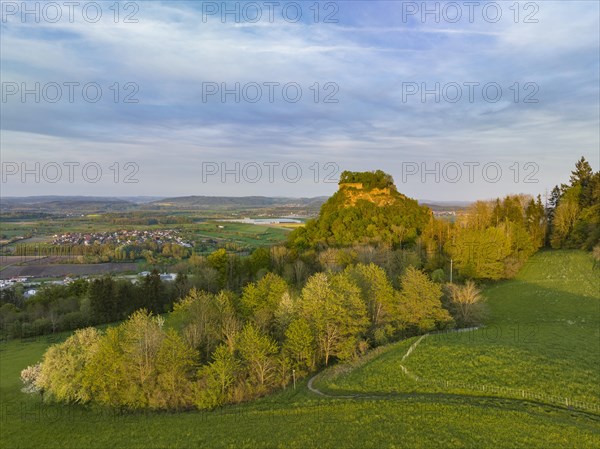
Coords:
pixel 369 56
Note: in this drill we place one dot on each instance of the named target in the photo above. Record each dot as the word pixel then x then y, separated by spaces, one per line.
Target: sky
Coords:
pixel 456 101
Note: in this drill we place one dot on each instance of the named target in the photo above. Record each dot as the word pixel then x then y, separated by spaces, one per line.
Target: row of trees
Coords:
pixel 493 239
pixel 490 240
pixel 149 218
pixel 217 348
pixel 105 252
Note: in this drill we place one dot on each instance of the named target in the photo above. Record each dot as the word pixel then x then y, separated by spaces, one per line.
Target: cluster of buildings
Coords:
pixel 444 213
pixel 7 283
pixel 4 283
pixel 30 291
pixel 135 237
pixel 163 276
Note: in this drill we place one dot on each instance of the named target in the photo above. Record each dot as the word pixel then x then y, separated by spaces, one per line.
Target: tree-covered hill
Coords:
pixel 366 209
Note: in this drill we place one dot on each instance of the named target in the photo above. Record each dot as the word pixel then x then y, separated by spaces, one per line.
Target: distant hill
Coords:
pixel 92 204
pixel 77 198
pixel 64 204
pixel 445 205
pixel 367 208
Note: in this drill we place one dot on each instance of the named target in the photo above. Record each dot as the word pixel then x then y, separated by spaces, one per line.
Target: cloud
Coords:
pixel 368 56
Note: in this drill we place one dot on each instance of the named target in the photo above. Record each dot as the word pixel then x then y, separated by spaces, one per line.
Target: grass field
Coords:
pixel 247 234
pixel 554 295
pixel 542 337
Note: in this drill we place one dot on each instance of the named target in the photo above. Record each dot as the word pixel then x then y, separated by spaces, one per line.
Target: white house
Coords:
pixel 29 293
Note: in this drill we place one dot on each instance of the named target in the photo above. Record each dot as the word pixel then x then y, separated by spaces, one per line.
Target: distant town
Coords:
pixel 134 237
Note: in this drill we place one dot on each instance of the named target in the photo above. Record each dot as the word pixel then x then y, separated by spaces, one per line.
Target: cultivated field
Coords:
pixel 58 270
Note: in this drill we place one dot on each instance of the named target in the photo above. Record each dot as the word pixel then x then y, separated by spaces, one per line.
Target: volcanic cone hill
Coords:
pixel 366 209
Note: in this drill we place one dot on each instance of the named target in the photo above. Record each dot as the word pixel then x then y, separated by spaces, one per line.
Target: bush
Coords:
pixel 41 326
pixel 439 276
pixel 72 320
pixel 466 303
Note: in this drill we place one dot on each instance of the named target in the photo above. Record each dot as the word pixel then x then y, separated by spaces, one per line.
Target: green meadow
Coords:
pixel 247 234
pixel 542 338
pixel 542 335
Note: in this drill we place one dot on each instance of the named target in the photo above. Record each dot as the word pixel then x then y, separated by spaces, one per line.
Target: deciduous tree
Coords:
pixel 332 305
pixel 420 302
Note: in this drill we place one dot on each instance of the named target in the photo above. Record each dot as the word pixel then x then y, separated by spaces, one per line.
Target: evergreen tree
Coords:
pixel 582 176
pixel 103 300
pixel 151 293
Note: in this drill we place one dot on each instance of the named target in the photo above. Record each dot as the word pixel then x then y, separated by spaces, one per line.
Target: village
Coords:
pixel 134 237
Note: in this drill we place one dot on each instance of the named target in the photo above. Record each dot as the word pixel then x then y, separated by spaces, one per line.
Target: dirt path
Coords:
pixel 320 393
